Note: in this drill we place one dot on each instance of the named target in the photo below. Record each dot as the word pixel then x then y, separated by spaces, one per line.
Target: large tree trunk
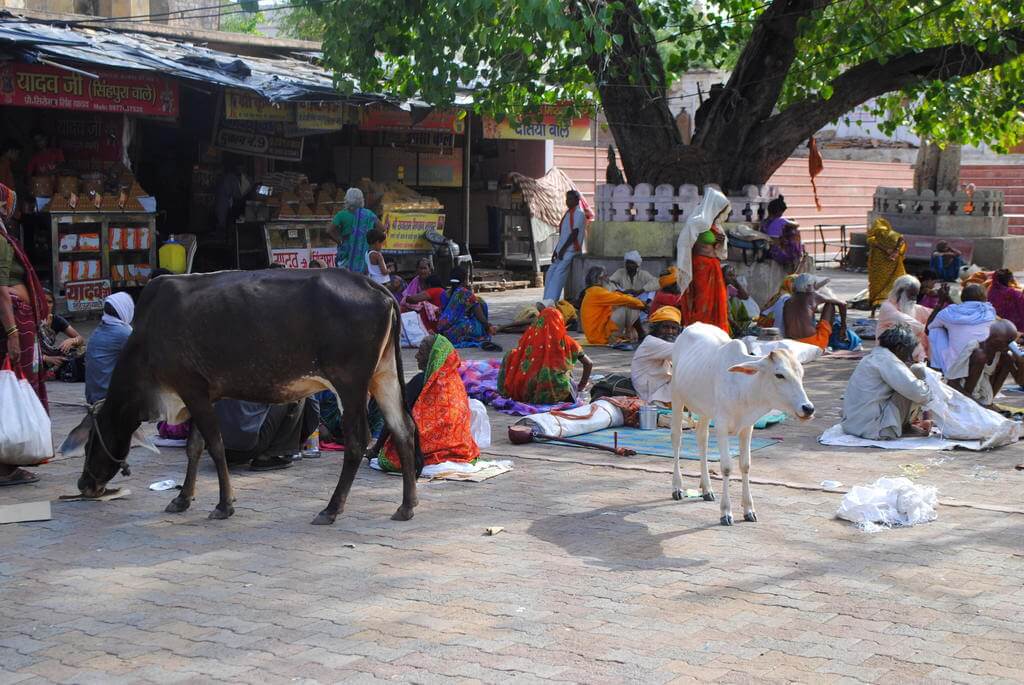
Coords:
pixel 741 139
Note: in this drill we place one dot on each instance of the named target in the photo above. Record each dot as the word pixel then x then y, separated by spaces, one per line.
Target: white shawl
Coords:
pixel 714 205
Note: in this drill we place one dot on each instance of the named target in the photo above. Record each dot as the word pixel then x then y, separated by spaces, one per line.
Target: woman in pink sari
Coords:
pixel 1006 298
pixel 416 299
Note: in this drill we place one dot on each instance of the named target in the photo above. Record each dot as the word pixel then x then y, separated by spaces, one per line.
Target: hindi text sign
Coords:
pixel 84 296
pixel 34 85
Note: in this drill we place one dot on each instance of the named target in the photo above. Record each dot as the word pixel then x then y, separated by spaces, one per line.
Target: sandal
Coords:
pixel 19 477
pixel 270 463
pixel 491 347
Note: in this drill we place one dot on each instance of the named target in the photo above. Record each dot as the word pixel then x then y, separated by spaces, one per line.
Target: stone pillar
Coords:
pixel 937 168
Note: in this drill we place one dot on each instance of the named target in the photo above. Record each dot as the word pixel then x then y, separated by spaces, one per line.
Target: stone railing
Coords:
pixel 981 203
pixel 665 203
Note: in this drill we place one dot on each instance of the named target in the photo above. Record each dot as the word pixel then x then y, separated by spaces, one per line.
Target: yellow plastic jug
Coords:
pixel 173 256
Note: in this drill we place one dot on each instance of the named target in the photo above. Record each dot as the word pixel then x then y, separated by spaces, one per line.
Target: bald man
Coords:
pixel 981 367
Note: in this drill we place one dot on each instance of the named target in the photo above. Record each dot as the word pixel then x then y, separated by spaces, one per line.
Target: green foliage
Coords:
pixel 302 23
pixel 519 54
pixel 234 20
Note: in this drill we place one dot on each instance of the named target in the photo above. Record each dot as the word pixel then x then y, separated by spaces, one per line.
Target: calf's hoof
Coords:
pixel 708 496
pixel 726 520
pixel 220 513
pixel 402 514
pixel 324 518
pixel 750 517
pixel 677 495
pixel 178 505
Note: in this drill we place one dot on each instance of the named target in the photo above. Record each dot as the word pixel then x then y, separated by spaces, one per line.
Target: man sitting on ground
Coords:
pixel 952 326
pixel 799 310
pixel 651 370
pixel 105 344
pixel 901 307
pixel 884 397
pixel 981 367
pixel 604 313
pixel 267 436
pixel 668 294
pixel 632 280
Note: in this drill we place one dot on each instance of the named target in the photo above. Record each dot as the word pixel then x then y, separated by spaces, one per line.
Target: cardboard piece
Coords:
pixel 105 497
pixel 26 511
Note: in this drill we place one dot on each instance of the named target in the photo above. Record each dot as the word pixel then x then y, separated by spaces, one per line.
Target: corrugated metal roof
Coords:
pixel 288 78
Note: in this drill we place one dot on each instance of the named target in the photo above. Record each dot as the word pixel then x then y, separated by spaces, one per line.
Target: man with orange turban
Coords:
pixel 651 370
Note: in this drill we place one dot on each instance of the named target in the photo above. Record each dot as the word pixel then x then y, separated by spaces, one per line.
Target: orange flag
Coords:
pixel 815 165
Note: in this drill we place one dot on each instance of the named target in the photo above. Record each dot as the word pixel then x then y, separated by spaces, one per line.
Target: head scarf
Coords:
pixel 633 256
pixel 668 277
pixel 125 308
pixel 354 199
pixel 667 314
pixel 538 370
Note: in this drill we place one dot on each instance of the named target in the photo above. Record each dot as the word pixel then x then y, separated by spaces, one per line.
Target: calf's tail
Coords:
pixel 396 344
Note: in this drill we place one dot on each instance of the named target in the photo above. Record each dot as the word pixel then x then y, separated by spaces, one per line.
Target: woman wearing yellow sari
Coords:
pixel 886 248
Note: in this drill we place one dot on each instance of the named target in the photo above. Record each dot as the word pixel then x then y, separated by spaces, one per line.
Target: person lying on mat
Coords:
pixel 981 368
pixel 885 395
pixel 798 314
pixel 651 370
pixel 539 369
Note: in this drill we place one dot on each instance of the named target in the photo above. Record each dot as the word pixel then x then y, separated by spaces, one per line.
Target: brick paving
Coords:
pixel 598 577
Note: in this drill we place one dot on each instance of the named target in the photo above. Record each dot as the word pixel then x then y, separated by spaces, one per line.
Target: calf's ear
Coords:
pixel 74 444
pixel 749 368
pixel 140 440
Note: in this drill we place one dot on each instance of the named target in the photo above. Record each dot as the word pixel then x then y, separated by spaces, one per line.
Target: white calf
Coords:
pixel 714 377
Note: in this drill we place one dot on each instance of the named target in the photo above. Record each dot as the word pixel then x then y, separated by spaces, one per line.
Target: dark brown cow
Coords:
pixel 271 336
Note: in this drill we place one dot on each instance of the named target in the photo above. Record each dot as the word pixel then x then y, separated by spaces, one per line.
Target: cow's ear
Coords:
pixel 74 444
pixel 140 440
pixel 749 368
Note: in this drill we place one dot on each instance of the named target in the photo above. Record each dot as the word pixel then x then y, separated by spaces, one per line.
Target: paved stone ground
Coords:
pixel 598 577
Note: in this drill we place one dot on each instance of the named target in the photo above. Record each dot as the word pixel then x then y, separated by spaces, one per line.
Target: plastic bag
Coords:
pixel 889 502
pixel 25 438
pixel 479 424
pixel 959 417
pixel 413 332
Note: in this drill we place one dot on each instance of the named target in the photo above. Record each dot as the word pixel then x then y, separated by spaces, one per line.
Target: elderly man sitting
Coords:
pixel 799 309
pixel 901 307
pixel 980 369
pixel 633 280
pixel 651 370
pixel 953 326
pixel 605 314
pixel 884 397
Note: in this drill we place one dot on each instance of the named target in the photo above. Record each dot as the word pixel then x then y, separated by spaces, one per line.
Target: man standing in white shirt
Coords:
pixel 570 237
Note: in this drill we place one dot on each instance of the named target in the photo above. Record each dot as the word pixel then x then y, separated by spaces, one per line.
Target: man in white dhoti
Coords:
pixel 981 368
pixel 884 396
pixel 953 326
pixel 651 370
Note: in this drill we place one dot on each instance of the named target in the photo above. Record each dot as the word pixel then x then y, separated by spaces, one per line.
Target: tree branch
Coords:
pixel 780 134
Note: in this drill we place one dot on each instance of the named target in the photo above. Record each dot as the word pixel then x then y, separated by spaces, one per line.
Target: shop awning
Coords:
pixel 291 77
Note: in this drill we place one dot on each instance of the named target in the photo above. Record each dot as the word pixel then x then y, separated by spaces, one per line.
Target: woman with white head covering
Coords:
pixel 701 247
pixel 349 228
pixel 105 344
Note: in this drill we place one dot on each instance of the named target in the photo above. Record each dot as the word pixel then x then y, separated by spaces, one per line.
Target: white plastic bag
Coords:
pixel 25 438
pixel 479 424
pixel 959 417
pixel 889 502
pixel 413 332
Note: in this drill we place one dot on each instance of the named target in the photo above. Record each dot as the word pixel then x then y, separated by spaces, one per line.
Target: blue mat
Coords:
pixel 658 442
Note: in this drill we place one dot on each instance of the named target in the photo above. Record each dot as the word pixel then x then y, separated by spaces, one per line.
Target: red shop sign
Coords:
pixel 86 295
pixel 31 85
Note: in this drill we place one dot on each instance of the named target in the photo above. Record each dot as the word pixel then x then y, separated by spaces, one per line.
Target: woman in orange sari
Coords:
pixel 701 247
pixel 539 369
pixel 441 409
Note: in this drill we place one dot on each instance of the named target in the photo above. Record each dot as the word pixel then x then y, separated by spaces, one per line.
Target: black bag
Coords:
pixel 612 385
pixel 72 370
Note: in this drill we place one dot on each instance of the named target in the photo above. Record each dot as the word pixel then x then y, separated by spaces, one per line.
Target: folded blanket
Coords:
pixel 481 381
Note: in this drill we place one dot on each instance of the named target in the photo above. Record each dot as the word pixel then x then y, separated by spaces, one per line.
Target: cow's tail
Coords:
pixel 396 344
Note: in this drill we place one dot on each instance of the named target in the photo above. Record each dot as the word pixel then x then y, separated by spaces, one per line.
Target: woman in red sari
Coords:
pixel 539 369
pixel 701 248
pixel 22 307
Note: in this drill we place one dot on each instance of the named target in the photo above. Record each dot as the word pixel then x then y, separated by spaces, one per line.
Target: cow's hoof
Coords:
pixel 708 496
pixel 324 518
pixel 178 505
pixel 219 513
pixel 726 520
pixel 402 514
pixel 750 517
pixel 677 495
